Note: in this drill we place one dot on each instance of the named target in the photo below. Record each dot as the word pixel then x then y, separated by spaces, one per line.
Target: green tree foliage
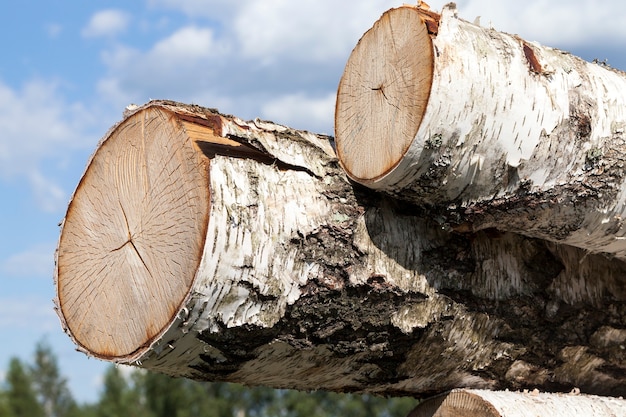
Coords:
pixel 51 388
pixel 177 397
pixel 113 401
pixel 20 396
pixel 119 398
pixel 39 390
pixel 165 397
pixel 324 404
pixel 4 404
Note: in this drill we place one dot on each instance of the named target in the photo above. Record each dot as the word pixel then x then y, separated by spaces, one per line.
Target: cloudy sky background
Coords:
pixel 68 68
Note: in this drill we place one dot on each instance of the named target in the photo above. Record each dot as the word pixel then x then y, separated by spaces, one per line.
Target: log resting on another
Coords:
pixel 486 128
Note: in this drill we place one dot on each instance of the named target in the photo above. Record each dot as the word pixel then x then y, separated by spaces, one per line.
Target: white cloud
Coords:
pixel 563 23
pixel 35 262
pixel 53 30
pixel 187 46
pixel 36 127
pixel 106 23
pixel 306 30
pixel 179 63
pixel 326 29
pixel 110 89
pixel 212 9
pixel 49 196
pixel 281 59
pixel 188 43
pixel 297 110
pixel 33 313
pixel 34 123
pixel 266 26
pixel 246 54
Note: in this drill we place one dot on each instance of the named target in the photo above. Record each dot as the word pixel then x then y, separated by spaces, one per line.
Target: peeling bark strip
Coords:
pixel 481 403
pixel 200 245
pixel 489 130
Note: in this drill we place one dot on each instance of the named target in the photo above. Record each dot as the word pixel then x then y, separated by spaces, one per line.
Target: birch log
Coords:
pixel 200 245
pixel 489 130
pixel 482 403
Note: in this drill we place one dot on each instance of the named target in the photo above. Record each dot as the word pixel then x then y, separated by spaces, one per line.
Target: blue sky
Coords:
pixel 68 68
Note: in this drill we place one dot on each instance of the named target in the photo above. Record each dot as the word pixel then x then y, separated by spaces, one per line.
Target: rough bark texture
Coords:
pixel 481 403
pixel 486 128
pixel 306 281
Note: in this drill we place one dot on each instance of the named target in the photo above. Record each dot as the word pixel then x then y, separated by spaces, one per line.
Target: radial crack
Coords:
pixel 130 240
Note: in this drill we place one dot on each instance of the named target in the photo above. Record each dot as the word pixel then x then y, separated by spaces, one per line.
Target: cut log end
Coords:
pixel 137 222
pixel 383 94
pixel 482 403
pixel 455 403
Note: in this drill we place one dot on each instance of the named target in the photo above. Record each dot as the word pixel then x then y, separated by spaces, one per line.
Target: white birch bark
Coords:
pixel 278 224
pixel 204 246
pixel 503 133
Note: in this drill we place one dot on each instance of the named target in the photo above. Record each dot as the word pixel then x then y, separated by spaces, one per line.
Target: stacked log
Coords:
pixel 488 129
pixel 204 246
pixel 482 403
pixel 201 245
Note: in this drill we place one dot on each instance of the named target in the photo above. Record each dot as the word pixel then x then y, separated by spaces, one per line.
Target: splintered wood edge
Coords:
pixel 134 234
pixel 383 93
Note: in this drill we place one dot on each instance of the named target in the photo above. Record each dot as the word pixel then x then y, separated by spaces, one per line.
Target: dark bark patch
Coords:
pixel 533 62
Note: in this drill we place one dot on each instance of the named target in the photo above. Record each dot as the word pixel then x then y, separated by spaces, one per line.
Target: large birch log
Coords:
pixel 200 245
pixel 490 130
pixel 482 403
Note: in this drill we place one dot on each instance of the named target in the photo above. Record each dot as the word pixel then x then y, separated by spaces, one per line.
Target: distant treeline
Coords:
pixel 39 389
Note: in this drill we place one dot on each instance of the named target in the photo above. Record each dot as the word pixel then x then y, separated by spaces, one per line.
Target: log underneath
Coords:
pixel 200 245
pixel 481 403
